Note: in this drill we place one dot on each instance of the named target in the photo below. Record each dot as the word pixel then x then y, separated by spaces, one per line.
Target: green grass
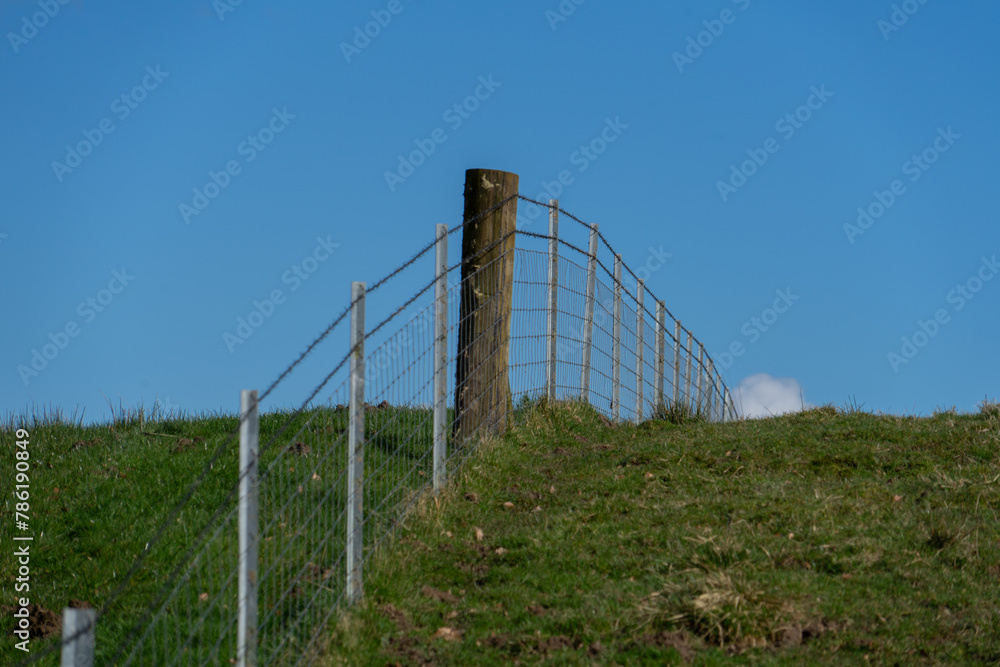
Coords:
pixel 826 537
pixel 809 539
pixel 676 413
pixel 99 494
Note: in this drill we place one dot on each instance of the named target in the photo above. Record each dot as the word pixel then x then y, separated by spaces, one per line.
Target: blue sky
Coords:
pixel 747 136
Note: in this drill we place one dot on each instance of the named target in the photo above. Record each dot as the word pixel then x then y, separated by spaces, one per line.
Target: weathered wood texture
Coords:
pixel 482 384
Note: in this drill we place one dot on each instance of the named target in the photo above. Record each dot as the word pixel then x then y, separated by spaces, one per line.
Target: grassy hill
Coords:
pixel 826 537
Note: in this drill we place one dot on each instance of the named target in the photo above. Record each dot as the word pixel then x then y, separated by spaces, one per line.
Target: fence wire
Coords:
pixel 501 360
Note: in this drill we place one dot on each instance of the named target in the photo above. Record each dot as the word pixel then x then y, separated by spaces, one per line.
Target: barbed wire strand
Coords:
pixel 611 274
pixel 608 245
pixel 223 447
pixel 337 368
pixel 266 447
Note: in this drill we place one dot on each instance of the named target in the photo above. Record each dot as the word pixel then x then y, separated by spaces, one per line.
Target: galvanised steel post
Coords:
pixel 441 358
pixel 588 315
pixel 355 446
pixel 640 321
pixel 246 640
pixel 616 344
pixel 553 295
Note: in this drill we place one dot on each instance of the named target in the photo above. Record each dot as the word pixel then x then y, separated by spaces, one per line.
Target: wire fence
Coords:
pixel 298 514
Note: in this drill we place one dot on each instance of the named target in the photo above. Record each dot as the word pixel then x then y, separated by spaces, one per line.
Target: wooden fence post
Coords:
pixel 482 383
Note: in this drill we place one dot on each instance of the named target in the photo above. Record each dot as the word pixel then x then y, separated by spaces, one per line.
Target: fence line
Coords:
pixel 171 521
pixel 332 491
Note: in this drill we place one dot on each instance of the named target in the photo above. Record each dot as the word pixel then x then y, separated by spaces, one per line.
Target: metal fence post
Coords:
pixel 687 372
pixel 711 391
pixel 246 641
pixel 699 396
pixel 718 396
pixel 78 626
pixel 677 361
pixel 355 445
pixel 441 358
pixel 553 293
pixel 616 344
pixel 722 401
pixel 588 315
pixel 722 398
pixel 660 351
pixel 640 321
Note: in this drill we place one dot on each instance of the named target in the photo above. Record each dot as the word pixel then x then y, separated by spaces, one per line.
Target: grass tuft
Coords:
pixel 676 413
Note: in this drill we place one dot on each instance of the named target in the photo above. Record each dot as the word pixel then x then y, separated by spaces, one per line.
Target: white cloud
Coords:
pixel 763 396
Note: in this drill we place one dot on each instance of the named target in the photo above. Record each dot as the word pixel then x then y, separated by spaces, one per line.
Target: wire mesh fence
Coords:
pixel 297 517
